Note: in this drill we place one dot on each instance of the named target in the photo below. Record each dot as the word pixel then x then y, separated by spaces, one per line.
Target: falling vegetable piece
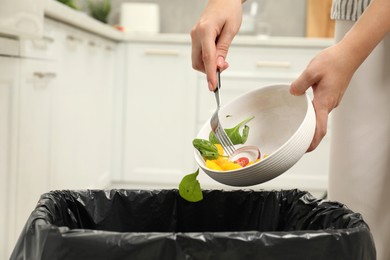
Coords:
pixel 234 133
pixel 189 188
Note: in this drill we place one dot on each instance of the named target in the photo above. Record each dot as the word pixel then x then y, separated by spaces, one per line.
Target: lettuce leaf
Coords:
pixel 189 188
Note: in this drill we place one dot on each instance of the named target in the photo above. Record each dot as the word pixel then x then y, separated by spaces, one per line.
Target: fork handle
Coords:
pixel 218 81
pixel 216 91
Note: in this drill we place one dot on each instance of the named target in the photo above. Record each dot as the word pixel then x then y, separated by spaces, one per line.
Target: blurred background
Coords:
pixel 298 18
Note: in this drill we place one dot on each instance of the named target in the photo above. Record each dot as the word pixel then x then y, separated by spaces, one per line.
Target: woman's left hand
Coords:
pixel 329 74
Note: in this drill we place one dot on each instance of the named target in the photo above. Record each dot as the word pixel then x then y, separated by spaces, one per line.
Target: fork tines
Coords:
pixel 225 141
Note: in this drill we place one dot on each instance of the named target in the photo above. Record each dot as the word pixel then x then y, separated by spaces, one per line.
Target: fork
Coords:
pixel 216 126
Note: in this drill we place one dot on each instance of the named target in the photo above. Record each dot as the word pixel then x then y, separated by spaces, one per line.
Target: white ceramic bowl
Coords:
pixel 283 129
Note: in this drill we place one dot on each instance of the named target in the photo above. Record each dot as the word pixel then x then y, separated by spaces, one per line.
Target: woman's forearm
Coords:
pixel 367 32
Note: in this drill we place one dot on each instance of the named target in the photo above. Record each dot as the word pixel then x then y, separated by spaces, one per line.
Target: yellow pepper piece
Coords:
pixel 221 161
pixel 211 164
pixel 220 149
pixel 231 166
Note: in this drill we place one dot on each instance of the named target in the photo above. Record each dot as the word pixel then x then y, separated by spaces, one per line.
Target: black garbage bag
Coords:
pixel 140 224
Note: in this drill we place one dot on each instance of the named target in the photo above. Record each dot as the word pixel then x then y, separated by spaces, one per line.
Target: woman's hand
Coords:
pixel 212 36
pixel 329 74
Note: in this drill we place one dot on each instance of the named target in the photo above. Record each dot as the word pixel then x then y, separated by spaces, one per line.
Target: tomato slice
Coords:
pixel 243 161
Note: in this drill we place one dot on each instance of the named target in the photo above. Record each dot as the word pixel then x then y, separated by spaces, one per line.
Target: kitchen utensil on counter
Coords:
pixel 140 18
pixel 282 128
pixel 215 124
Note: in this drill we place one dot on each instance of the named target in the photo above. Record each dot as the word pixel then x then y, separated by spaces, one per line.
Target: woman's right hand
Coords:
pixel 212 36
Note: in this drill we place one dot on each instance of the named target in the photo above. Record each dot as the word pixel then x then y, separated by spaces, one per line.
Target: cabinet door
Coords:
pixel 8 83
pixel 34 136
pixel 83 108
pixel 160 114
pixel 100 61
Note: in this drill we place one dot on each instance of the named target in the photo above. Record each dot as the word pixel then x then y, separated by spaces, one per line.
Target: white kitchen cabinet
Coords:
pixel 56 110
pixel 32 129
pixel 82 126
pixel 8 83
pixel 82 111
pixel 160 114
pixel 26 103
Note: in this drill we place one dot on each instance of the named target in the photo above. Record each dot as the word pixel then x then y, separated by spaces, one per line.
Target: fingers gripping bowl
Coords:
pixel 282 128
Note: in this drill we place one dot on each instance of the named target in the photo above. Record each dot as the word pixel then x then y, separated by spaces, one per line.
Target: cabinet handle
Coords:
pixel 109 48
pixel 43 42
pixel 162 52
pixel 48 39
pixel 74 38
pixel 273 64
pixel 43 75
pixel 93 44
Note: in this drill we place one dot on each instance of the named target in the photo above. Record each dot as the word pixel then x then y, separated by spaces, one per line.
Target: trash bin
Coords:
pixel 141 224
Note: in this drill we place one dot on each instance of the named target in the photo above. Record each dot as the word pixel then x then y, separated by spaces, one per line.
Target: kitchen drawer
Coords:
pixel 96 44
pixel 57 35
pixel 269 60
pixel 44 47
pixel 75 40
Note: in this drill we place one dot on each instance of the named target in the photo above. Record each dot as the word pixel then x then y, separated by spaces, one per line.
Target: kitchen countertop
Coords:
pixel 60 12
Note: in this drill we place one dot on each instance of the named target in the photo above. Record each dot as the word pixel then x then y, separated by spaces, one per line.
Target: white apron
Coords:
pixel 360 144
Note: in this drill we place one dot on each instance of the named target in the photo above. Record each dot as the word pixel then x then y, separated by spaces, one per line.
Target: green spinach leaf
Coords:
pixel 189 188
pixel 234 133
pixel 206 148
